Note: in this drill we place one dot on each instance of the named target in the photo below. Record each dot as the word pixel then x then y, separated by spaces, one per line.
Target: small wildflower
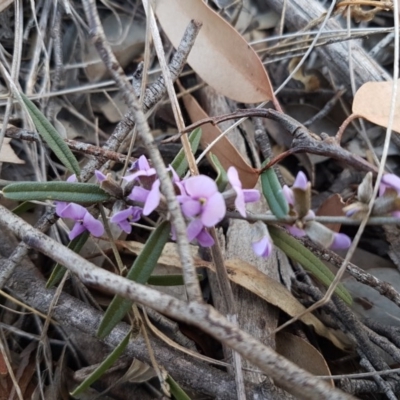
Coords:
pixel 84 221
pixel 143 167
pixel 125 217
pixel 150 198
pixel 202 200
pixel 243 196
pixel 261 240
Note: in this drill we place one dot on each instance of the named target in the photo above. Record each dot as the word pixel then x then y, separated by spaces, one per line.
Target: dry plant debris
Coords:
pixel 199 199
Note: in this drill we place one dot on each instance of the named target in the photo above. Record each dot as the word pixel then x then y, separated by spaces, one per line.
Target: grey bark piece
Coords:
pixel 27 284
pixel 255 315
pixel 300 12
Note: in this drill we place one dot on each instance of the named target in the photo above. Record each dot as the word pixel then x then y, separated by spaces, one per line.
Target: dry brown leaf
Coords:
pixel 302 353
pixel 332 206
pixel 7 154
pixel 220 55
pixel 249 277
pixel 225 151
pixel 372 101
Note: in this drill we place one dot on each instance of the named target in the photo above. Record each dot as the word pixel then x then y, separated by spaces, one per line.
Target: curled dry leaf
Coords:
pixel 372 101
pixel 7 153
pixel 302 353
pixel 332 206
pixel 224 150
pixel 249 277
pixel 220 55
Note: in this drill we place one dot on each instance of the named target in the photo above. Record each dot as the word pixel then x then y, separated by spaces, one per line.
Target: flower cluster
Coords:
pixel 202 205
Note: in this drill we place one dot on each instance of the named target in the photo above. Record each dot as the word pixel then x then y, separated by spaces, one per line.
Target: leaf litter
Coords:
pixel 222 59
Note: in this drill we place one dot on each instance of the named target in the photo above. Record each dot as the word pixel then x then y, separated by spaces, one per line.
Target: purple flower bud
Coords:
pixel 340 241
pixel 301 181
pixel 243 196
pixel 100 176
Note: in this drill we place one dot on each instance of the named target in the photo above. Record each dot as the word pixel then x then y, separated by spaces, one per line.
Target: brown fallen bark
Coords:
pixel 27 285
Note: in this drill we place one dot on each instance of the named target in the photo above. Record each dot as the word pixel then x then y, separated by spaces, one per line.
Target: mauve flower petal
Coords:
pixel 396 214
pixel 295 231
pixel 60 205
pixel 135 175
pixel 139 194
pixel 251 195
pixel 94 226
pixel 340 241
pixel 233 177
pixel 153 199
pixel 73 211
pixel 121 216
pixel 190 207
pixel 100 176
pixel 194 229
pixel 76 230
pixel 143 164
pixel 301 181
pixel 391 180
pixel 263 247
pixel 214 210
pixel 205 239
pixel 288 194
pixel 240 204
pixel 200 186
pixel 72 178
pixel 125 226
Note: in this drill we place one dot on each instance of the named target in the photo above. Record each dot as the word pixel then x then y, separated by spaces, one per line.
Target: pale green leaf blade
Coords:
pixel 74 192
pixel 311 263
pixel 59 270
pixel 272 191
pixel 51 137
pixel 140 272
pixel 180 164
pixel 103 367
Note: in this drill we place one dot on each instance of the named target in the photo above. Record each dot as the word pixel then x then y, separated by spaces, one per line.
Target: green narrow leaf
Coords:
pixel 140 272
pixel 73 192
pixel 103 367
pixel 311 263
pixel 222 177
pixel 168 280
pixel 180 164
pixel 59 270
pixel 176 390
pixel 51 137
pixel 273 193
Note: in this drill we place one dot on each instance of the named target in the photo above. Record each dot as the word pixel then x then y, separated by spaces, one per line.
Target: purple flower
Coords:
pixel 389 181
pixel 125 217
pixel 143 167
pixel 202 203
pixel 263 247
pixel 84 221
pixel 243 196
pixel 150 198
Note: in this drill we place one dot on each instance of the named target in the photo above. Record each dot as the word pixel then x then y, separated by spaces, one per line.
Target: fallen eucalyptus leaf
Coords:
pixel 372 101
pixel 220 55
pixel 224 150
